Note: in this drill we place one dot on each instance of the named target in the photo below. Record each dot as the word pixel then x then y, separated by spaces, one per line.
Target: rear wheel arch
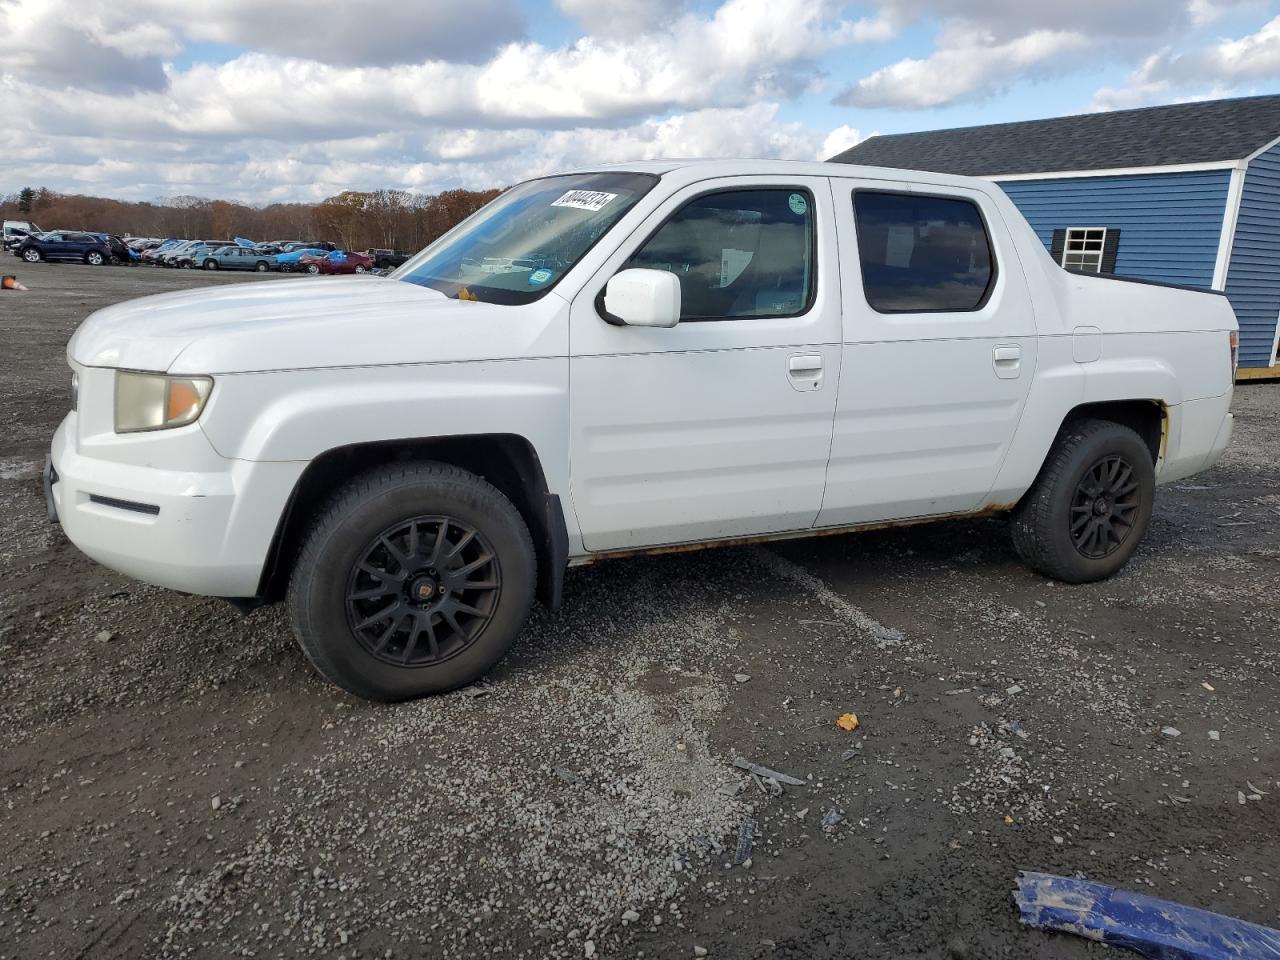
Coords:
pixel 507 461
pixel 1149 419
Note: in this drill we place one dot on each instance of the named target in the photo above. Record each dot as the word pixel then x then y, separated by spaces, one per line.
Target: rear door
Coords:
pixel 719 427
pixel 939 350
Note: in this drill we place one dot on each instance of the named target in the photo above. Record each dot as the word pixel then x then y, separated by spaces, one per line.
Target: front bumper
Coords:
pixel 207 532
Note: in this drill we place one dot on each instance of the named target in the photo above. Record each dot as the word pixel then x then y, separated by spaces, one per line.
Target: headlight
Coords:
pixel 152 401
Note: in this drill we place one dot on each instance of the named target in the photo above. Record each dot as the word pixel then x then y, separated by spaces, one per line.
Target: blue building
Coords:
pixel 1188 193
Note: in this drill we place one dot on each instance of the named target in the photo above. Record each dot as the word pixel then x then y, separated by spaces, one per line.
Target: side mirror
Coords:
pixel 643 298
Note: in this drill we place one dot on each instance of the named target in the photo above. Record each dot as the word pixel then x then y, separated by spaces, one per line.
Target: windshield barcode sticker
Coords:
pixel 592 200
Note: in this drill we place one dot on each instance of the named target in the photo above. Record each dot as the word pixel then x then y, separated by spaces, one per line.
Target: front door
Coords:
pixel 719 427
pixel 939 351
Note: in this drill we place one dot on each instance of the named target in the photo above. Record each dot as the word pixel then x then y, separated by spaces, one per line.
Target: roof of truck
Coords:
pixel 704 169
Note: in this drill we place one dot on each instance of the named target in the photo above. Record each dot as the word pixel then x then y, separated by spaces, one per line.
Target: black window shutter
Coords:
pixel 1110 247
pixel 1058 244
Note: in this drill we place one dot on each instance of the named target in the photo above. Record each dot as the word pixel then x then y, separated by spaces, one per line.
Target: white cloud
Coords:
pixel 839 140
pixel 1224 68
pixel 974 66
pixel 984 46
pixel 353 32
pixel 620 18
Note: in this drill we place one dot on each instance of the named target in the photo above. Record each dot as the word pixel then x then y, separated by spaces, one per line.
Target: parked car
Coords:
pixel 343 261
pixel 194 255
pixel 759 350
pixel 235 258
pixel 384 259
pixel 168 257
pixel 65 245
pixel 288 261
pixel 296 245
pixel 152 255
pixel 15 231
pixel 121 253
pixel 309 262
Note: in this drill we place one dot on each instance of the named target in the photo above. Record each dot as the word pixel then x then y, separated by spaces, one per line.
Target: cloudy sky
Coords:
pixel 263 100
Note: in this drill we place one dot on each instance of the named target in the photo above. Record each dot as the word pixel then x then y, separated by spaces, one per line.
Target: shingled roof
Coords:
pixel 1211 130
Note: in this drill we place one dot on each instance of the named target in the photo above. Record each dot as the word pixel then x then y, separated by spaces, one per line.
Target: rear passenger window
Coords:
pixel 738 254
pixel 921 254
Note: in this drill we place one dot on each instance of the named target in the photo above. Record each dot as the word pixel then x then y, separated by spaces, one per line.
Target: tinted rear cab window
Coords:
pixel 922 254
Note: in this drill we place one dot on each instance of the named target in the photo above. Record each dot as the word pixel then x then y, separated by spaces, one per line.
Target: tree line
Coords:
pixel 355 220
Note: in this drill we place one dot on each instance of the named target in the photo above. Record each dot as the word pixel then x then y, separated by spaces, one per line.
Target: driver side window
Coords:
pixel 738 254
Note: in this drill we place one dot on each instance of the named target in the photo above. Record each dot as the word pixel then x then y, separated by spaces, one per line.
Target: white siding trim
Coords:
pixel 1275 344
pixel 1230 218
pixel 1120 171
pixel 1262 149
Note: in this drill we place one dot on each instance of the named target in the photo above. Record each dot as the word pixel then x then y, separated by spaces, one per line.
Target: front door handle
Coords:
pixel 805 370
pixel 1006 358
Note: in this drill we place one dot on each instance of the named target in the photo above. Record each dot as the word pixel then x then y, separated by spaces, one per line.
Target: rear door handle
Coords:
pixel 805 370
pixel 1006 358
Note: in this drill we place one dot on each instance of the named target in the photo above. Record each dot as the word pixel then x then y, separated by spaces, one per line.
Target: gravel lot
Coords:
pixel 176 782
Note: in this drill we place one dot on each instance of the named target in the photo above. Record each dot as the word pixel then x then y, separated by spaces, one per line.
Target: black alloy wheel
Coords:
pixel 1091 503
pixel 423 591
pixel 1104 507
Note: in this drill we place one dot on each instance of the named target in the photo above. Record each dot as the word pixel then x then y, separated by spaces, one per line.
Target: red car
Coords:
pixel 340 261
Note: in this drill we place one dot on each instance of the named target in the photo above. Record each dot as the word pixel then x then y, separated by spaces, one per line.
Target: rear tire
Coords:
pixel 94 259
pixel 1091 504
pixel 389 607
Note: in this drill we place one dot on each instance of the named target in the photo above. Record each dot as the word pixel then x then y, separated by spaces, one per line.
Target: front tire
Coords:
pixel 31 255
pixel 1091 505
pixel 415 579
pixel 312 269
pixel 261 266
pixel 211 264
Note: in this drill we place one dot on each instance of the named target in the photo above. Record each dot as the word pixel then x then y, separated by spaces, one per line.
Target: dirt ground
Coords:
pixel 175 781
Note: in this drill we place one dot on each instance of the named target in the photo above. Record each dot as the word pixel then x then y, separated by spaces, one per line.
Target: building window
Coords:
pixel 1083 249
pixel 922 254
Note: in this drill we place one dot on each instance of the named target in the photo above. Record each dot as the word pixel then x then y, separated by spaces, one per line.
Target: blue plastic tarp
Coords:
pixel 1156 929
pixel 242 242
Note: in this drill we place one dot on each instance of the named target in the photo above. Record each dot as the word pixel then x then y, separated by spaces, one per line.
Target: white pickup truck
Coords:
pixel 626 360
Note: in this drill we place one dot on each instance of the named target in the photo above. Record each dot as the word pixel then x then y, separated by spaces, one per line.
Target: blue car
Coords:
pixel 288 262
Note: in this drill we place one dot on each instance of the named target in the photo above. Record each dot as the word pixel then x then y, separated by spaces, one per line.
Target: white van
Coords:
pixel 15 231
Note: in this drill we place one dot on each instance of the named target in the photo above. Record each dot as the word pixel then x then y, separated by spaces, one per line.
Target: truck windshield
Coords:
pixel 519 246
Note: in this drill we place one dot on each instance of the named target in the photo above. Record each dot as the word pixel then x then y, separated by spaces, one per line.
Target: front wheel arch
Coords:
pixel 508 461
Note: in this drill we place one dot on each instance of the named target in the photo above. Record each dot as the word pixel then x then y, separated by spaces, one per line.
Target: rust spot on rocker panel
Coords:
pixel 987 511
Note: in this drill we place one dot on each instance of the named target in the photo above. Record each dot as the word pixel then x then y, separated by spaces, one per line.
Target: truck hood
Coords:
pixel 310 322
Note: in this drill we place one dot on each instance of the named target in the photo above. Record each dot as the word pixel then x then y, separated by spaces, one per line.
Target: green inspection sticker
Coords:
pixel 799 206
